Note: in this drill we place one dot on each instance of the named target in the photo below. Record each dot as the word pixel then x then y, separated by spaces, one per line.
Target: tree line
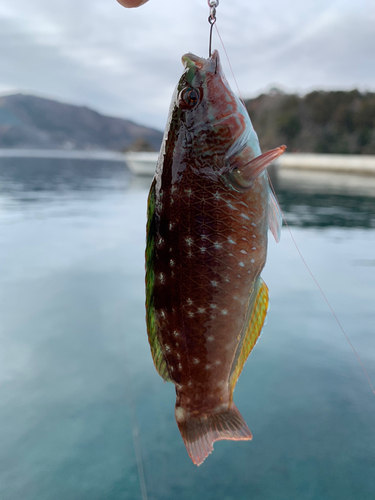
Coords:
pixel 339 122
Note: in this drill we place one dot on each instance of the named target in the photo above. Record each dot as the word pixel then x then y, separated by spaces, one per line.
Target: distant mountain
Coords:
pixel 33 122
pixel 320 122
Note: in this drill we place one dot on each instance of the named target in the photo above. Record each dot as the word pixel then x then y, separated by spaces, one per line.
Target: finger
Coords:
pixel 132 3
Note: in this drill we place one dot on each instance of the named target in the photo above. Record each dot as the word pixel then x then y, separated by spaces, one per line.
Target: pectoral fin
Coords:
pixel 275 218
pixel 245 172
pixel 257 316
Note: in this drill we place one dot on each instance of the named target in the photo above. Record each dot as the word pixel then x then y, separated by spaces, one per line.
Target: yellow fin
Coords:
pixel 254 328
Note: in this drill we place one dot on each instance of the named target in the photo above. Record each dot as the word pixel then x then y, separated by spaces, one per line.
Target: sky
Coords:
pixel 126 62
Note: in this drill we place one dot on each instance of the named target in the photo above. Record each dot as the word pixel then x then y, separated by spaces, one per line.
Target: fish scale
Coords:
pixel 207 227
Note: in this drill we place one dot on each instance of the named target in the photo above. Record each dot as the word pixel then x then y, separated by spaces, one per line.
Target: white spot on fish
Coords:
pixel 210 338
pixel 203 249
pixel 173 189
pixel 231 206
pixel 218 362
pixel 190 383
pixel 222 383
pixel 188 192
pixel 160 242
pixel 178 355
pixel 189 241
pixel 252 261
pixel 180 414
pixel 254 236
pixel 217 245
pixel 180 367
pixel 230 255
pixel 162 314
pixel 254 248
pixel 238 276
pixel 162 278
pixel 196 361
pixel 170 226
pixel 244 239
pixel 167 348
pixel 241 264
pixel 244 252
pixel 208 367
pixel 201 310
pixel 231 241
pixel 213 306
pixel 190 314
pixel 224 311
pixel 245 216
pixel 189 302
pixel 171 263
pixel 217 195
pixel 190 255
pixel 253 224
pixel 171 368
pixel 175 333
pixel 214 283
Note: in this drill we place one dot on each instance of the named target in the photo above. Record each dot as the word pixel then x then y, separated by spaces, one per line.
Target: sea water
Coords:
pixel 77 384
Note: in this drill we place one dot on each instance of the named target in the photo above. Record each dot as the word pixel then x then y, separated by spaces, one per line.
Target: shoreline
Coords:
pixel 143 163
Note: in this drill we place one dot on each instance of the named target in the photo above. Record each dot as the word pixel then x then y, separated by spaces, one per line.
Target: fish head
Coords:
pixel 211 120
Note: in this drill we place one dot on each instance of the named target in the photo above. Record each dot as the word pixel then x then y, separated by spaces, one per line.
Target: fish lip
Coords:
pixel 190 60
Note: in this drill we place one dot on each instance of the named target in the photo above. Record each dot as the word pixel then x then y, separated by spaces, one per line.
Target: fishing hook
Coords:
pixel 213 4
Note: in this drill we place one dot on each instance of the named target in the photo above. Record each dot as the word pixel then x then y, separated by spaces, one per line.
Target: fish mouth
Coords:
pixel 190 60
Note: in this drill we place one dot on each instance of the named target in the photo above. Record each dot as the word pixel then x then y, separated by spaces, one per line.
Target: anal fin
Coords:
pixel 253 331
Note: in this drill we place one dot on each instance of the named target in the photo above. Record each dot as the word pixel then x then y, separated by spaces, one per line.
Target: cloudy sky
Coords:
pixel 126 62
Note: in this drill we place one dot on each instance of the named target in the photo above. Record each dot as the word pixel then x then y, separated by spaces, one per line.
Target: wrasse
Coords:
pixel 209 210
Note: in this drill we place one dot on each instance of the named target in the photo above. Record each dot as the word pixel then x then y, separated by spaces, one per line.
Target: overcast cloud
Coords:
pixel 127 62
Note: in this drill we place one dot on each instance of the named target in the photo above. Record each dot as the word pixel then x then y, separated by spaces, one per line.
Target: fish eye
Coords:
pixel 188 98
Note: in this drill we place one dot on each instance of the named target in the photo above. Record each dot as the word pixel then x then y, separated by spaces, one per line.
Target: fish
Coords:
pixel 209 209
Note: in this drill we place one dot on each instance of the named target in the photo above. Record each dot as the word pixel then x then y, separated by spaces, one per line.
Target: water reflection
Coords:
pixel 308 199
pixel 321 199
pixel 73 346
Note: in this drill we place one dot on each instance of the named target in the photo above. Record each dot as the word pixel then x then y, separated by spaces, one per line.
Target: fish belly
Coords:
pixel 210 249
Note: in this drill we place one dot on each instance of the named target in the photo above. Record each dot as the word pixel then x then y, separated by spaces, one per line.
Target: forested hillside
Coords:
pixel 320 122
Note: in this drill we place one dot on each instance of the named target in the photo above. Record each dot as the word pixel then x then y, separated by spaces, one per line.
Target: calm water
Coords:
pixel 75 361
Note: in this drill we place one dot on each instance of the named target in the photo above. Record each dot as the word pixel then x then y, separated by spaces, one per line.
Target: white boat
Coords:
pixel 141 163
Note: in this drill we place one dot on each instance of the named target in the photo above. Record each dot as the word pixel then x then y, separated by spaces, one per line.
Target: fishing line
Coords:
pixel 295 243
pixel 212 20
pixel 320 288
pixel 135 433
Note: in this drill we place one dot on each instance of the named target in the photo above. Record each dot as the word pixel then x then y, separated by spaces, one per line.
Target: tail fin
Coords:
pixel 200 432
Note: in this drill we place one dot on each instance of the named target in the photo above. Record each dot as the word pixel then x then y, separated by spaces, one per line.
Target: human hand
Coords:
pixel 132 3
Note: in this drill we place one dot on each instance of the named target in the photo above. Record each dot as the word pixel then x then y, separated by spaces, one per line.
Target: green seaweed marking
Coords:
pixel 152 325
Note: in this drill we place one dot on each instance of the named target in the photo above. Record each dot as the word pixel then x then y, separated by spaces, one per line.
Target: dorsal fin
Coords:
pixel 275 218
pixel 152 327
pixel 254 328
